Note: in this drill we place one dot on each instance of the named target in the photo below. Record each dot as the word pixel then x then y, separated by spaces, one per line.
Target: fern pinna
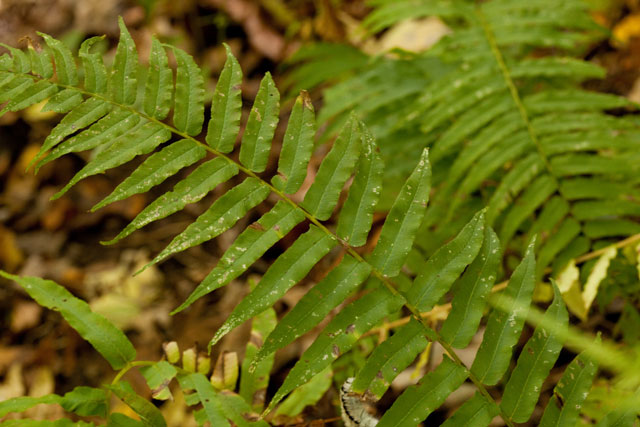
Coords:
pixel 499 101
pixel 105 115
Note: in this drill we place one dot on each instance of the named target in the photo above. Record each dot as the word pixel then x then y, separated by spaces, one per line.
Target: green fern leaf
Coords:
pixel 190 190
pixel 63 59
pixel 417 402
pixel 226 106
pixel 443 268
pixel 308 394
pixel 254 374
pixel 148 413
pixel 356 215
pixel 32 94
pixel 250 245
pixel 474 287
pixel 317 303
pixel 338 337
pixel 286 271
pixel 535 362
pixel 475 412
pixel 157 88
pixel 504 329
pixel 564 407
pixel 297 146
pixel 63 101
pixel 108 129
pixel 140 140
pixel 188 107
pixel 400 227
pixel 390 358
pixel 261 125
pixel 220 216
pixel 108 340
pixel 21 404
pixel 334 171
pixel 203 392
pixel 123 82
pixel 78 118
pixel 95 73
pixel 155 169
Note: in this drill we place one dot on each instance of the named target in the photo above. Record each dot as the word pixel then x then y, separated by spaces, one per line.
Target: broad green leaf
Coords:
pixel 400 227
pixel 190 190
pixel 106 130
pixel 158 377
pixel 475 412
pixel 140 140
pixel 221 215
pixel 123 80
pixel 568 395
pixel 21 404
pixel 474 287
pixel 148 413
pixel 308 394
pixel 63 101
pixel 63 59
pixel 155 169
pixel 535 362
pixel 261 125
pixel 417 402
pixel 297 146
pixel 316 304
pixel 254 377
pixel 443 267
pixel 80 117
pixel 335 169
pixel 226 106
pixel 158 87
pixel 285 272
pixel 108 340
pixel 504 328
pixel 207 395
pixel 250 245
pixel 188 107
pixel 95 73
pixel 338 337
pixel 390 358
pixel 86 401
pixel 356 215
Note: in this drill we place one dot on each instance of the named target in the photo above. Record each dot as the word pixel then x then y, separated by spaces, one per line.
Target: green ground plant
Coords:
pixel 105 113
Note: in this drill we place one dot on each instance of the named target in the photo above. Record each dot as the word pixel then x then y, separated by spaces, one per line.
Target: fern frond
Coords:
pixel 106 115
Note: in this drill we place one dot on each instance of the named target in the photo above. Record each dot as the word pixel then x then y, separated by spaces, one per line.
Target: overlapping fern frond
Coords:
pixel 104 114
pixel 509 124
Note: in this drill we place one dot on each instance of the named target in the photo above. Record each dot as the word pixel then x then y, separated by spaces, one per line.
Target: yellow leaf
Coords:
pixel 569 285
pixel 598 273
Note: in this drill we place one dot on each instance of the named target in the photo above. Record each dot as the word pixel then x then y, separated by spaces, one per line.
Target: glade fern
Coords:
pixel 500 103
pixel 105 114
